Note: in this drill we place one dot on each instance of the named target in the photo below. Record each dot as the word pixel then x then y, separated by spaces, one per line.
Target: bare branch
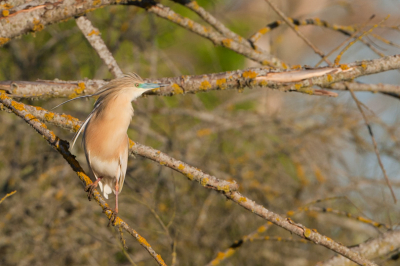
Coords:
pixel 215 37
pixel 92 34
pixel 374 143
pixel 226 188
pixel 33 17
pixel 299 80
pixel 374 248
pixel 304 38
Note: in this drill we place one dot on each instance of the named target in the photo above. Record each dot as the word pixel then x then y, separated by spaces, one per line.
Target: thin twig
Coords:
pixel 304 38
pixel 92 34
pixel 339 56
pixel 373 248
pixel 7 195
pixel 345 41
pixel 221 256
pixel 374 143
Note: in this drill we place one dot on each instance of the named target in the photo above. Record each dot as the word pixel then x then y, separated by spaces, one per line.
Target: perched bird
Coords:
pixel 105 139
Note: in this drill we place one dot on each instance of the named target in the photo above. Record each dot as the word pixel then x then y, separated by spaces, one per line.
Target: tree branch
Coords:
pixel 374 248
pixel 211 182
pixel 92 34
pixel 33 17
pixel 62 147
pixel 293 80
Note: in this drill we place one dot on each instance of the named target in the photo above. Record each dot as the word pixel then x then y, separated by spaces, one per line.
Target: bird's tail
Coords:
pixel 105 188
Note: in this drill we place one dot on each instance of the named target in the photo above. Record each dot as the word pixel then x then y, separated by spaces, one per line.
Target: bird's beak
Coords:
pixel 152 85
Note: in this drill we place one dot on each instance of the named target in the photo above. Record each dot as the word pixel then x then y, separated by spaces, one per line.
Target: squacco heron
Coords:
pixel 105 139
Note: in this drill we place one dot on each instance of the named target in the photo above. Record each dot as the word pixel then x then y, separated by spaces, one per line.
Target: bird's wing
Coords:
pixel 81 128
pixel 123 164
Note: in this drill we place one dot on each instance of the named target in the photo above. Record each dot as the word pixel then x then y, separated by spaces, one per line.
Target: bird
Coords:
pixel 105 139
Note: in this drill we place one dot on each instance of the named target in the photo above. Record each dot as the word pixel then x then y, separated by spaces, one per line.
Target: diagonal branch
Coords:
pixel 92 34
pixel 62 147
pixel 226 188
pixel 374 248
pixel 374 143
pixel 214 22
pixel 214 36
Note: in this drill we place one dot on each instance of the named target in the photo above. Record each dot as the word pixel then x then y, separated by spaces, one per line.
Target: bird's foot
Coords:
pixel 90 190
pixel 113 218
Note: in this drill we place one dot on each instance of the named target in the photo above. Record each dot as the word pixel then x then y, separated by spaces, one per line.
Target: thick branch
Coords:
pixel 293 80
pixel 374 248
pixel 33 17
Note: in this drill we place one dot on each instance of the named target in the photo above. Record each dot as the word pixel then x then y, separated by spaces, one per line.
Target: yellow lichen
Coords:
pixel 329 78
pixel 190 24
pixel 194 5
pixel 37 26
pixel 298 86
pixel 296 67
pixel 221 83
pixel 94 32
pixel 249 74
pixel 162 163
pixel 190 176
pixel 307 233
pixel 264 30
pixel 18 106
pixel 96 2
pixel 261 229
pixel 290 213
pixel 363 65
pixel 6 13
pixel 265 63
pixel 284 66
pixel 177 89
pixel 3 96
pixel 77 127
pixel 205 85
pixel 203 132
pixel 4 40
pixel 242 199
pixel 6 6
pixel 143 241
pixel 344 67
pixel 204 181
pixel 49 116
pixel 227 42
pixel 30 117
pixel 181 167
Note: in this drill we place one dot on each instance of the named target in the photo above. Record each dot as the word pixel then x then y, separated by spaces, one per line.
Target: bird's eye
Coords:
pixel 137 85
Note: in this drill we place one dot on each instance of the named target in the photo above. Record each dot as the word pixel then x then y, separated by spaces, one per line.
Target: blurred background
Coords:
pixel 286 150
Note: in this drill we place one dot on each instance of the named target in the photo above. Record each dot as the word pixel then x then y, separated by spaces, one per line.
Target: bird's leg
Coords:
pixel 91 187
pixel 114 214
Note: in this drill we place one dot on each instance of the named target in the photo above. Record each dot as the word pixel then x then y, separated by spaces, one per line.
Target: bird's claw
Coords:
pixel 89 189
pixel 113 217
